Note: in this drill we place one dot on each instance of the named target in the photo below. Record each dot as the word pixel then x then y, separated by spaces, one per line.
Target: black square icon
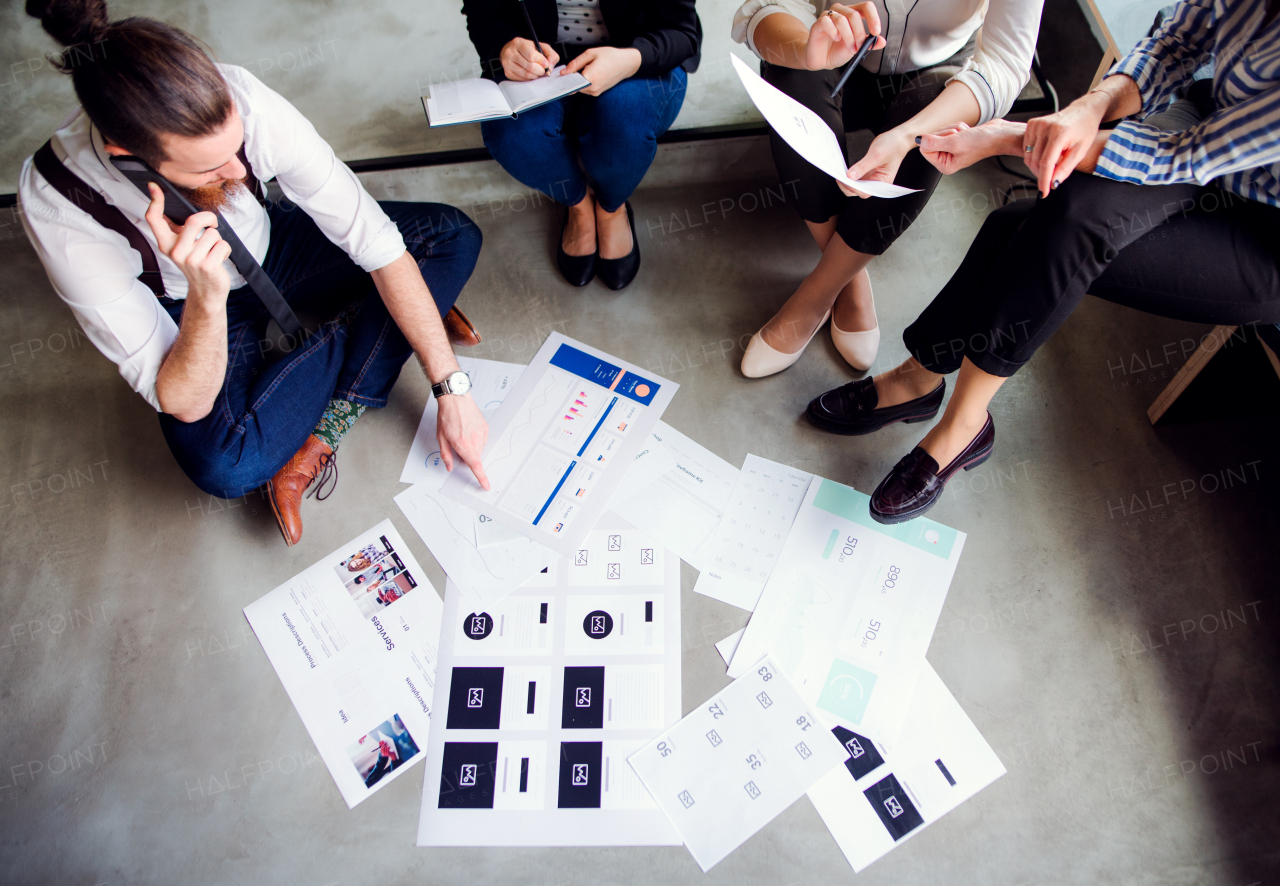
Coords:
pixel 863 756
pixel 466 775
pixel 475 698
pixel 581 774
pixel 893 806
pixel 583 705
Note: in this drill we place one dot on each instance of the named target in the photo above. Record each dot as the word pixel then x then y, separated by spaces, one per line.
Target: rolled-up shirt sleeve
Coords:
pixel 95 272
pixel 1164 62
pixel 1001 62
pixel 1234 139
pixel 288 147
pixel 751 13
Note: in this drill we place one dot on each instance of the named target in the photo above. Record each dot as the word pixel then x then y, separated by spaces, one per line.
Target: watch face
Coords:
pixel 459 383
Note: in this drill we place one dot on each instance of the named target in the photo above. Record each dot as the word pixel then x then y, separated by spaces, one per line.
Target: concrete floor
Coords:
pixel 1122 661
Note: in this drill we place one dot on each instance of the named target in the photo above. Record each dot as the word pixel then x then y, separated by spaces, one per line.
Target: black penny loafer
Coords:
pixel 577 269
pixel 915 484
pixel 851 409
pixel 617 273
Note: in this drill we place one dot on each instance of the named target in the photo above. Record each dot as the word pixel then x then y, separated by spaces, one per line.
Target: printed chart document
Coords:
pixel 544 696
pixel 882 796
pixel 354 641
pixel 738 761
pixel 490 383
pixel 746 544
pixel 475 99
pixel 805 131
pixel 684 506
pixel 851 607
pixel 561 442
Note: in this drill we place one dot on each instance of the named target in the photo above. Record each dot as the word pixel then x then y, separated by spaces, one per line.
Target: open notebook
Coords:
pixel 468 101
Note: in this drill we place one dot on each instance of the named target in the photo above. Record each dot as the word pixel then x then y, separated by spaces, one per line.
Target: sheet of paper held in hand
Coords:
pixel 545 694
pixel 354 641
pixel 562 441
pixel 805 131
pixel 736 762
pixel 850 608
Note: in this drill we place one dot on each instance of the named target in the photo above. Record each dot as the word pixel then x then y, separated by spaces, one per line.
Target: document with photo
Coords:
pixel 744 549
pixel 736 762
pixel 851 607
pixel 545 694
pixel 883 795
pixel 354 639
pixel 682 507
pixel 562 441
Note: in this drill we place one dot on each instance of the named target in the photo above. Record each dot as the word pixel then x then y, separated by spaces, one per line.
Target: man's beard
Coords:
pixel 216 197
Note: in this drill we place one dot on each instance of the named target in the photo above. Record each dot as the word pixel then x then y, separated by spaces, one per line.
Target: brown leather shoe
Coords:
pixel 461 330
pixel 313 461
pixel 916 482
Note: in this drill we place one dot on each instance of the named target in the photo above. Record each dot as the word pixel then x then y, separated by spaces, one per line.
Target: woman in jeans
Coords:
pixel 1180 223
pixel 637 54
pixel 935 63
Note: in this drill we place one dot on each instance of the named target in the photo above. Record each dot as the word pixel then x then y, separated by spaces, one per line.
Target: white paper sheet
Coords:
pixel 682 509
pixel 851 607
pixel 742 552
pixel 806 132
pixel 940 761
pixel 650 463
pixel 736 762
pixel 544 695
pixel 354 641
pixel 729 645
pixel 491 381
pixel 561 442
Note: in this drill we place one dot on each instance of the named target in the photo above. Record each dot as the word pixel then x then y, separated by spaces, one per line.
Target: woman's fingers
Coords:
pixel 845 29
pixel 550 55
pixel 869 14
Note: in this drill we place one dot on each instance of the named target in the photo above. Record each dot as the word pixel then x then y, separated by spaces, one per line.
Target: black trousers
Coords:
pixel 1182 251
pixel 868 101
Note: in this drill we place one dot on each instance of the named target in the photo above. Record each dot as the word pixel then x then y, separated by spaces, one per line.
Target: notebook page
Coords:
pixel 474 99
pixel 530 93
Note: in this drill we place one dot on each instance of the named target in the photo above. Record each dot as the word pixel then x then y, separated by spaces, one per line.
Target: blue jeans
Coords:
pixel 616 134
pixel 270 402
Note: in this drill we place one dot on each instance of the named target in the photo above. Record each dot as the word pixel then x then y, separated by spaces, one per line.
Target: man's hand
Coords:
pixel 881 161
pixel 839 33
pixel 523 60
pixel 196 248
pixel 462 431
pixel 960 146
pixel 605 67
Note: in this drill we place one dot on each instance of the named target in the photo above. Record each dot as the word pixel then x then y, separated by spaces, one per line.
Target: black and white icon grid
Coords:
pixel 751 789
pixel 475 698
pixel 615 572
pixel 863 756
pixel 646 556
pixel 893 806
pixel 714 738
pixel 477 626
pixel 582 705
pixel 686 799
pixel 764 699
pixel 598 624
pixel 580 559
pixel 615 542
pixel 803 750
pixel 581 765
pixel 467 775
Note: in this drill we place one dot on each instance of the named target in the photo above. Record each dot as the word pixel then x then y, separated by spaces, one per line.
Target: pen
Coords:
pixel 858 56
pixel 532 33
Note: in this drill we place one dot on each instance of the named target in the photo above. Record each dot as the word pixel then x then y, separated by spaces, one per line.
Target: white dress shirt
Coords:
pixel 922 33
pixel 94 270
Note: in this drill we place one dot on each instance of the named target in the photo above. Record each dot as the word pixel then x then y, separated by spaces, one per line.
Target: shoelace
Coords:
pixel 327 473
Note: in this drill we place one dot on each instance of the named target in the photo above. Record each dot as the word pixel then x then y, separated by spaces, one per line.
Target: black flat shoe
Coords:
pixel 915 484
pixel 617 273
pixel 577 269
pixel 851 409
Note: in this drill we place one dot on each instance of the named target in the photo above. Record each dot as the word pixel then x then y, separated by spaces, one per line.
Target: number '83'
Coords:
pixel 765 674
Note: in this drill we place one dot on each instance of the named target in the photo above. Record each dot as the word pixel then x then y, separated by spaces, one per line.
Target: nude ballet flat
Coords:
pixel 761 360
pixel 858 348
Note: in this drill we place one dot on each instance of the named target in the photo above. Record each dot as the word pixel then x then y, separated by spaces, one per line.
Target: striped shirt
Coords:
pixel 1238 146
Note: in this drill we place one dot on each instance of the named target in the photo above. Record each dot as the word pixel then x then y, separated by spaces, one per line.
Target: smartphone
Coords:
pixel 176 206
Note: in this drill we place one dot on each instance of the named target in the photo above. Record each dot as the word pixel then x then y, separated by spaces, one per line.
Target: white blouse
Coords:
pixel 922 33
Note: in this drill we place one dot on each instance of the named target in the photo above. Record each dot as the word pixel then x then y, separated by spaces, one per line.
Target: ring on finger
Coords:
pixel 1028 148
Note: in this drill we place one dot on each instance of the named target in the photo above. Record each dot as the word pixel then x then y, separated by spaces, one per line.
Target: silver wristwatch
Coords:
pixel 456 383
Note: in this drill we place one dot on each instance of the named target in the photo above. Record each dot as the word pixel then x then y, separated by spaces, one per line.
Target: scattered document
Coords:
pixel 736 762
pixel 684 506
pixel 490 383
pixel 851 607
pixel 751 533
pixel 940 761
pixel 729 645
pixel 562 441
pixel 354 641
pixel 806 132
pixel 475 99
pixel 544 695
